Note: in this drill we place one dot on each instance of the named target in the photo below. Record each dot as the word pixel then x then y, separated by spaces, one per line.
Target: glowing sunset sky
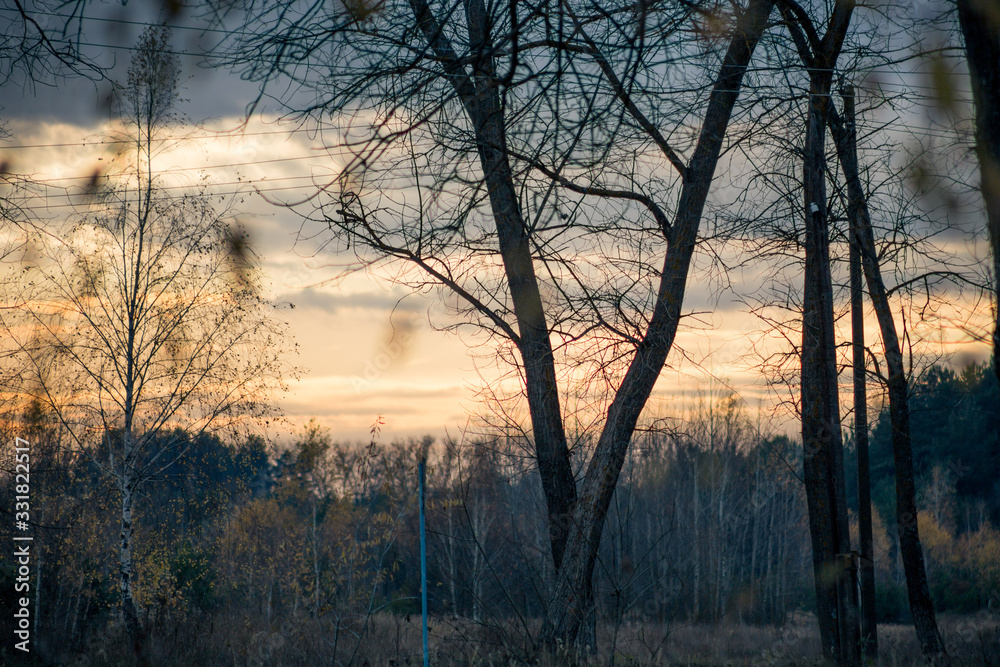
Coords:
pixel 422 380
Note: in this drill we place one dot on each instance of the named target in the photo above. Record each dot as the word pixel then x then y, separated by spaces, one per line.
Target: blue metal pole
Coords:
pixel 423 564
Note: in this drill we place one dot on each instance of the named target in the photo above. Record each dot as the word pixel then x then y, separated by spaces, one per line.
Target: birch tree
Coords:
pixel 141 315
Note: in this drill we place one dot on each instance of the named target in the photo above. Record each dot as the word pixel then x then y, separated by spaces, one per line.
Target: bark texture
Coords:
pixel 126 574
pixel 130 616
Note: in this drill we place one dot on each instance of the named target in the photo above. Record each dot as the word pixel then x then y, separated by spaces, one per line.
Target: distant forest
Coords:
pixel 596 197
pixel 707 525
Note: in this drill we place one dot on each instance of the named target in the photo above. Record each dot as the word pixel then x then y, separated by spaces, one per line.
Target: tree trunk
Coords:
pixel 823 458
pixel 572 593
pixel 980 21
pixel 869 627
pixel 918 590
pixel 481 98
pixel 696 512
pixel 315 554
pixel 575 542
pixel 820 408
pixel 130 616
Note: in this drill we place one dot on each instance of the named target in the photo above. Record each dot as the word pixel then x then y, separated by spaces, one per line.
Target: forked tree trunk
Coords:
pixel 823 457
pixel 570 602
pixel 575 525
pixel 917 588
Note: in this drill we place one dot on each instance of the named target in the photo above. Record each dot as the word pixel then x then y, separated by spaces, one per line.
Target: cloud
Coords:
pixel 330 302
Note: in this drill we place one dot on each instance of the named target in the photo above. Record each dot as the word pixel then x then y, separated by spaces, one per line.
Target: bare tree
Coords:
pixel 141 315
pixel 42 41
pixel 821 70
pixel 517 129
pixel 821 438
pixel 45 41
pixel 980 23
pixel 921 605
pixel 866 568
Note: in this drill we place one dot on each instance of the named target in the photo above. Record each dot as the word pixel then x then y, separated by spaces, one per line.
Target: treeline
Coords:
pixel 956 451
pixel 708 524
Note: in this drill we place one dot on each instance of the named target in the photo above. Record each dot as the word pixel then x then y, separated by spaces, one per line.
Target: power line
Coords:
pixel 141 24
pixel 222 135
pixel 183 169
pixel 201 137
pixel 207 185
pixel 232 193
pixel 233 31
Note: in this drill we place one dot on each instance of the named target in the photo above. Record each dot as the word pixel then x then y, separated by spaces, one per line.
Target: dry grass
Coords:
pixel 394 640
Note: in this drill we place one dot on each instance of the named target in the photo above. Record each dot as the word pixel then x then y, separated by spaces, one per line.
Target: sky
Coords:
pixel 367 350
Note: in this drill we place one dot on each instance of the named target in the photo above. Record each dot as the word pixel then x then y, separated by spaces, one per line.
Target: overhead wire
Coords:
pixel 196 168
pixel 929 132
pixel 93 201
pixel 309 130
pixel 193 137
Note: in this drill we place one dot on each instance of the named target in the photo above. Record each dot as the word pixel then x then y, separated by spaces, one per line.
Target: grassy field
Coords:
pixel 394 640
